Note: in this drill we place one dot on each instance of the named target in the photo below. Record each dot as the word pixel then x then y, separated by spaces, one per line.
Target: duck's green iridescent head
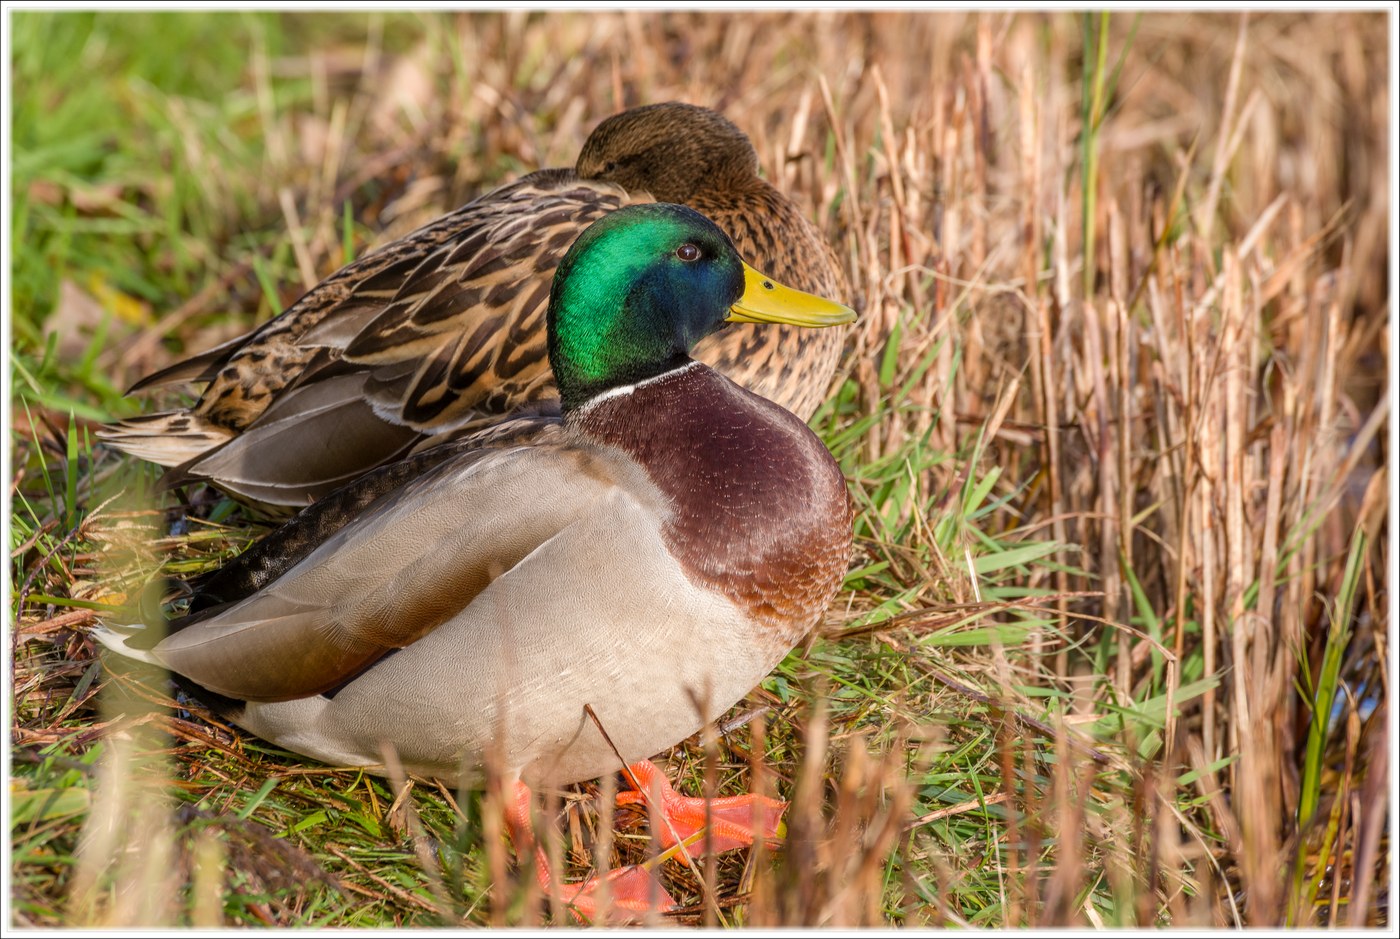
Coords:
pixel 642 285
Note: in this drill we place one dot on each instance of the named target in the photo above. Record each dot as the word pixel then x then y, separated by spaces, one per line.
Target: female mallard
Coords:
pixel 652 552
pixel 444 329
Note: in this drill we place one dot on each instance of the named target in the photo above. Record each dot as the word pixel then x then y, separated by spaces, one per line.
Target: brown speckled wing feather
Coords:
pixel 440 329
pixel 413 306
pixel 467 326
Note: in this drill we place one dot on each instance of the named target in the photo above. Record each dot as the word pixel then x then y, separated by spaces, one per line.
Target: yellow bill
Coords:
pixel 767 301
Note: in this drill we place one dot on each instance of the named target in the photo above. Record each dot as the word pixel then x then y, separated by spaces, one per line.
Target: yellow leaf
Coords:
pixel 125 307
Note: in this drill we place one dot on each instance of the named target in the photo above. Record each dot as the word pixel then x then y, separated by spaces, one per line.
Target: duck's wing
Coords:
pixel 308 444
pixel 414 560
pixel 434 332
pixel 464 332
pixel 282 549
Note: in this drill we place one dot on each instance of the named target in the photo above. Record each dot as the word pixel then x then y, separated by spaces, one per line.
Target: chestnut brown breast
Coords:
pixel 760 508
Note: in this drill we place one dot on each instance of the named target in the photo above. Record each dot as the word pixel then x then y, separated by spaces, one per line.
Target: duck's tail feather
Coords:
pixel 304 447
pixel 200 367
pixel 170 438
pixel 126 641
pixel 115 635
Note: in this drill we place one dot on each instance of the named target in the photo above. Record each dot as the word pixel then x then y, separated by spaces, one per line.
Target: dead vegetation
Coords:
pixel 1116 419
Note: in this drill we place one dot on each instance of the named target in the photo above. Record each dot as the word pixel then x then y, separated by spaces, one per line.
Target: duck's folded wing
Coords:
pixel 414 560
pixel 466 279
pixel 310 442
pixel 464 333
pixel 281 550
pixel 428 335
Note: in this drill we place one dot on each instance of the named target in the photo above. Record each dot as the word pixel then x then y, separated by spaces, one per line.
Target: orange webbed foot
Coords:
pixel 632 891
pixel 731 817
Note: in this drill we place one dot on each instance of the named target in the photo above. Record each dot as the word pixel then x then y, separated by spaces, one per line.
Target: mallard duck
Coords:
pixel 444 329
pixel 651 552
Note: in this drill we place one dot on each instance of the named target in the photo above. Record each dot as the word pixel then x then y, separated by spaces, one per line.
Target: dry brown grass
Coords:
pixel 1183 376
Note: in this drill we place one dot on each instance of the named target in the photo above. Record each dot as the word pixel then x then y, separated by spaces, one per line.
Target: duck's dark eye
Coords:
pixel 609 166
pixel 688 252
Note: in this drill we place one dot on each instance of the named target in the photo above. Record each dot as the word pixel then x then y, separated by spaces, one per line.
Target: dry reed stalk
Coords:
pixel 126 856
pixel 1193 423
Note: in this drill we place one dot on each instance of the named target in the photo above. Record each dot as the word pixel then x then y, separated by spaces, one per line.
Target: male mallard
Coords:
pixel 652 552
pixel 444 328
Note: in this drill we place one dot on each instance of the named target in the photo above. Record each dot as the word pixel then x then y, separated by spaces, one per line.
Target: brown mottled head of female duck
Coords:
pixel 672 150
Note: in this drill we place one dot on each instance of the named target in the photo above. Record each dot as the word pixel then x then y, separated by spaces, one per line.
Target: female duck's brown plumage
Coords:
pixel 443 330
